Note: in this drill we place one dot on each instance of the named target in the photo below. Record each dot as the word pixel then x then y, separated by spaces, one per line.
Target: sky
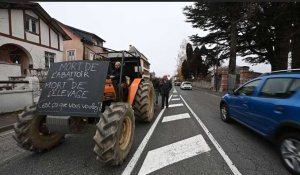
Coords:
pixel 155 28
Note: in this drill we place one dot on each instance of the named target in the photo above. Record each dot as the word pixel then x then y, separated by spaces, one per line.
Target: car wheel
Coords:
pixel 289 149
pixel 224 113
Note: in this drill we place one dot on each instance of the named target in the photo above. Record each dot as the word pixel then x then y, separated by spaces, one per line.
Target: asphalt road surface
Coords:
pixel 187 138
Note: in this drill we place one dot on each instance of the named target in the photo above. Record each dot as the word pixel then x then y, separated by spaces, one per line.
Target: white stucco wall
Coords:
pixel 15 100
pixel 54 39
pixel 32 37
pixel 8 70
pixel 4 21
pixel 37 53
pixel 17 23
pixel 61 43
pixel 31 13
pixel 44 33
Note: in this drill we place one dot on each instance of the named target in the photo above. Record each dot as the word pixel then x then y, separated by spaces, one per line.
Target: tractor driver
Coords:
pixel 115 77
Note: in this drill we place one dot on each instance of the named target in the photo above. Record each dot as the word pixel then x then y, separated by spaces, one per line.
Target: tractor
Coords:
pixel 38 131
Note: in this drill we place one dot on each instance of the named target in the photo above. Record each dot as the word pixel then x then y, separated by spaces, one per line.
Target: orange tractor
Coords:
pixel 39 129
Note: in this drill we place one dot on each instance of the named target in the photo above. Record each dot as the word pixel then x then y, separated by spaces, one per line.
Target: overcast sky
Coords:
pixel 155 28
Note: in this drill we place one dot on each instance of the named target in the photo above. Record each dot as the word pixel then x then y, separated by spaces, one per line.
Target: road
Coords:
pixel 187 138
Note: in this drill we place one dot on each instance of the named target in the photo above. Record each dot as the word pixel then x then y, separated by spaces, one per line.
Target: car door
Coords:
pixel 239 106
pixel 270 106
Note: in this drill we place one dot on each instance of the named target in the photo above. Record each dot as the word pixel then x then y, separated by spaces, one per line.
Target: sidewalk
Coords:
pixel 7 120
pixel 220 94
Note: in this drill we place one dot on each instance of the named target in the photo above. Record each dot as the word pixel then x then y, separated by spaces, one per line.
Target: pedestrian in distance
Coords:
pixel 165 87
pixel 155 82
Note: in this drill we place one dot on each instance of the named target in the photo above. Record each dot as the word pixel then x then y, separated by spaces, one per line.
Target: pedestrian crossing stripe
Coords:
pixel 175 95
pixel 174 99
pixel 175 105
pixel 176 117
pixel 175 152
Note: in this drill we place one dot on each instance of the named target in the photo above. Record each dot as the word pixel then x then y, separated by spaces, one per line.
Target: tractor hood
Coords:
pixel 74 88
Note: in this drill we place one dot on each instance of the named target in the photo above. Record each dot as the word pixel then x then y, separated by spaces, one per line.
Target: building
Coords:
pixel 83 44
pixel 29 37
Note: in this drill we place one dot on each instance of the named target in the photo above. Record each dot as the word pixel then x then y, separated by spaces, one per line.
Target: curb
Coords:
pixel 6 128
pixel 209 92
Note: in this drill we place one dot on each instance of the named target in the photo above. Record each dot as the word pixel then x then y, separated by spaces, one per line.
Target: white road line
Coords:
pixel 175 152
pixel 175 105
pixel 141 147
pixel 174 91
pixel 214 141
pixel 176 117
pixel 174 99
pixel 175 95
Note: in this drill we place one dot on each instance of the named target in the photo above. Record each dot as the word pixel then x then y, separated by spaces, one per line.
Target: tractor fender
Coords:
pixel 132 90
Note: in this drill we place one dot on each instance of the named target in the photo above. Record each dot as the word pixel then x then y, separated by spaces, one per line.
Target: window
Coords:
pixel 248 89
pixel 71 55
pixel 276 88
pixel 14 58
pixel 31 24
pixel 187 84
pixel 294 87
pixel 92 55
pixel 49 58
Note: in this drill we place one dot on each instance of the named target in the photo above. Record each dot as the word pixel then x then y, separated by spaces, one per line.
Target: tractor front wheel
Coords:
pixel 114 133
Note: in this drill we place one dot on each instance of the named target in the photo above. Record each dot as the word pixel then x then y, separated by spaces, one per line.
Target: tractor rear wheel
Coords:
pixel 144 102
pixel 31 132
pixel 114 133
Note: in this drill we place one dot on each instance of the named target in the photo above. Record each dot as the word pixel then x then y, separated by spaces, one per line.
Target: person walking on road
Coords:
pixel 165 87
pixel 155 82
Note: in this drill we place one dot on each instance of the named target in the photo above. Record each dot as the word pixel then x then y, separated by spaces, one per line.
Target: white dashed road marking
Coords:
pixel 232 167
pixel 175 105
pixel 176 117
pixel 175 152
pixel 141 147
pixel 174 99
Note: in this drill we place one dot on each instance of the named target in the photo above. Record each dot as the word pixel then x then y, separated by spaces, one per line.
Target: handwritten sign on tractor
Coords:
pixel 74 88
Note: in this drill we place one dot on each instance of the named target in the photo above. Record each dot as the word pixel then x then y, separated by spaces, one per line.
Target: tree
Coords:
pixel 270 33
pixel 182 53
pixel 185 70
pixel 189 51
pixel 295 39
pixel 261 32
pixel 196 62
pixel 222 20
pixel 267 34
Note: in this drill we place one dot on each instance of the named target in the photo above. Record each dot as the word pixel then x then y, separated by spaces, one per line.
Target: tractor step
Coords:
pixel 59 124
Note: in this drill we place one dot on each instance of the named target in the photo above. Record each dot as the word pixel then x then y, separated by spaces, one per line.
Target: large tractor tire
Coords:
pixel 144 102
pixel 114 133
pixel 31 132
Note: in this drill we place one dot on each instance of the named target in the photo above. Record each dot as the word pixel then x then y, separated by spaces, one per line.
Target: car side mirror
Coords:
pixel 232 92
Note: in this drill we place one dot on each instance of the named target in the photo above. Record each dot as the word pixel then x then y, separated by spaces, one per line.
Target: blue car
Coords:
pixel 270 105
